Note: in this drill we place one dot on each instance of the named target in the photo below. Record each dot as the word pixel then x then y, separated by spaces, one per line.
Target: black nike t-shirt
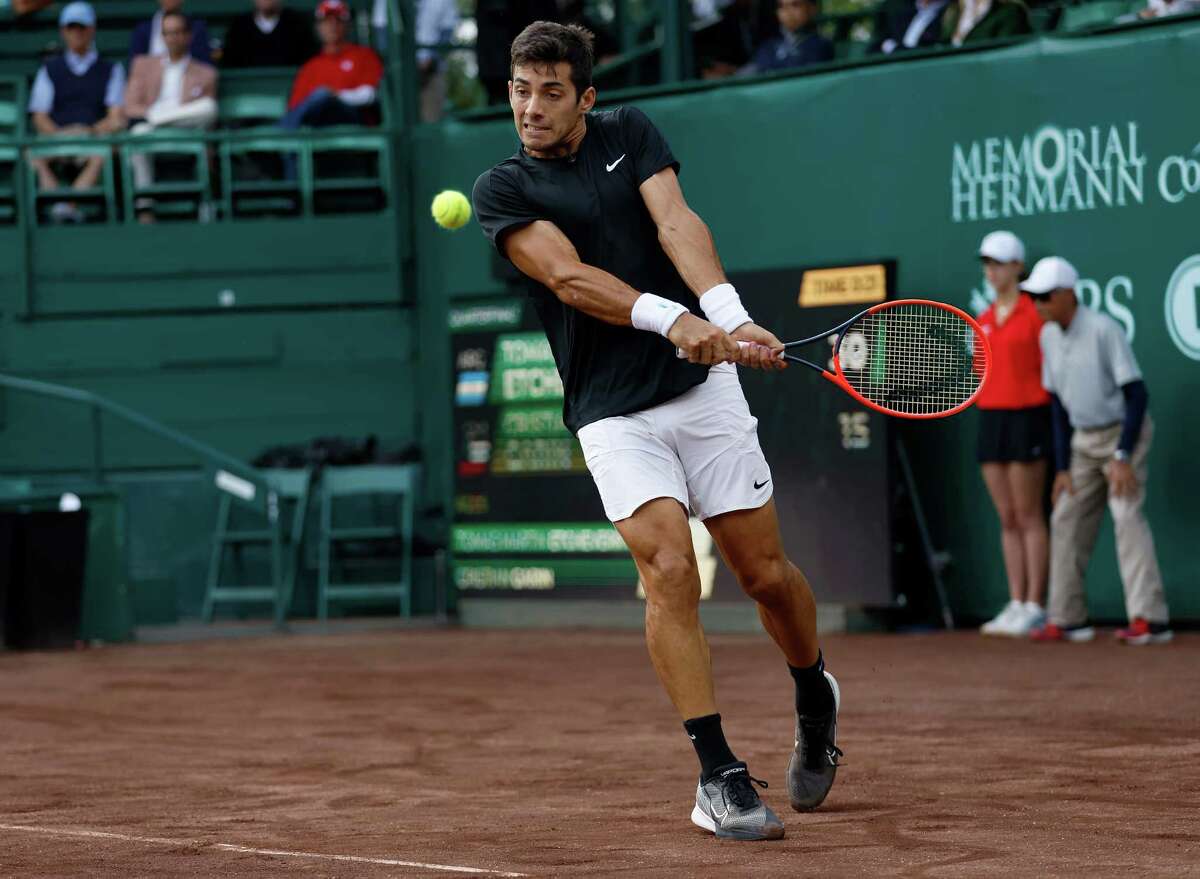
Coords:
pixel 593 198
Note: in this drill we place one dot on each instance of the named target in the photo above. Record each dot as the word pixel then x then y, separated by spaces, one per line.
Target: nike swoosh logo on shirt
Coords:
pixel 609 168
pixel 759 485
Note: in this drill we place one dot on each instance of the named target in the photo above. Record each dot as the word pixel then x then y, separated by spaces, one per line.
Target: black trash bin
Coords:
pixel 43 555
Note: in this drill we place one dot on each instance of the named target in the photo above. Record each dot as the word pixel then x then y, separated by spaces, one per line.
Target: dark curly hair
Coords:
pixel 547 43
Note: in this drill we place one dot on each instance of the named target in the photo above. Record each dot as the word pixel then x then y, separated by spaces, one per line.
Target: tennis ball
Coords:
pixel 451 210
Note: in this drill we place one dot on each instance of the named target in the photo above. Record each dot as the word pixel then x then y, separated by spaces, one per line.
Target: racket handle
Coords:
pixel 679 351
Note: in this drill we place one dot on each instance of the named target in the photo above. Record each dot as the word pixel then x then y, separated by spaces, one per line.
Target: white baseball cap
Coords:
pixel 1002 247
pixel 1051 273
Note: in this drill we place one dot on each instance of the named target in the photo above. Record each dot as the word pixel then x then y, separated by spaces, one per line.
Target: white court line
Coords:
pixel 244 849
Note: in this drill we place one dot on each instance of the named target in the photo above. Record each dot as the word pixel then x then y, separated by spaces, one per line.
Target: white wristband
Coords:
pixel 655 314
pixel 723 307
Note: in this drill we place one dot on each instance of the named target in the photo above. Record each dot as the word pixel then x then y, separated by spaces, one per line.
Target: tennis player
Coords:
pixel 622 273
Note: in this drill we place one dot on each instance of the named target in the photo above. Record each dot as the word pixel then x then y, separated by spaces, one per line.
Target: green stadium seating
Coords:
pixel 365 155
pixel 282 540
pixel 12 125
pixel 396 485
pixel 190 194
pixel 98 202
pixel 1095 14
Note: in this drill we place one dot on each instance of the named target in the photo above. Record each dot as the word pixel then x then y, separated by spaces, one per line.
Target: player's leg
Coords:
pixel 660 540
pixel 751 545
pixel 642 486
pixel 658 536
pixel 1027 485
pixel 995 477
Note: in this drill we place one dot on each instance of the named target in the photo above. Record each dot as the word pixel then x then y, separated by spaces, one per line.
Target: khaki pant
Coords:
pixel 1076 522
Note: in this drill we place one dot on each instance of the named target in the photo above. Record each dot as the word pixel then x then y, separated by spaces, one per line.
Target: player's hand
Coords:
pixel 764 350
pixel 702 342
pixel 1062 482
pixel 1122 481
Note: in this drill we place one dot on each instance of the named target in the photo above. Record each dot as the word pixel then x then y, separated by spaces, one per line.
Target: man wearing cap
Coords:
pixel 1015 435
pixel 75 94
pixel 337 85
pixel 1096 391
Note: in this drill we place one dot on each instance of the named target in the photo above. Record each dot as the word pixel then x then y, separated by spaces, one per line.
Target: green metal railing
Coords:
pixel 231 475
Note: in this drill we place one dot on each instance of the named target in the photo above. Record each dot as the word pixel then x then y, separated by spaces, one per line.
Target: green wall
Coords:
pixel 334 331
pixel 860 164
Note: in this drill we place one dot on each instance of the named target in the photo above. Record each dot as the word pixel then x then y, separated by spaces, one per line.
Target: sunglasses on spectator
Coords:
pixel 1040 297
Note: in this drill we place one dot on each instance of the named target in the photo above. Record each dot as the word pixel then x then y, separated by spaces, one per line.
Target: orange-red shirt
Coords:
pixel 1015 381
pixel 348 69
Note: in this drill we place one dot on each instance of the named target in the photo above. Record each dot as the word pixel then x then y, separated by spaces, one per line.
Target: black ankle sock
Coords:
pixel 814 696
pixel 709 742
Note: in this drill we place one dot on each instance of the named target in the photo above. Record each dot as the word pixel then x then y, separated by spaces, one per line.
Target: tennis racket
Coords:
pixel 912 358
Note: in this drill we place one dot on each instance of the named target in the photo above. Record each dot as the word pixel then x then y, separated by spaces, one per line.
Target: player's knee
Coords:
pixel 768 581
pixel 673 581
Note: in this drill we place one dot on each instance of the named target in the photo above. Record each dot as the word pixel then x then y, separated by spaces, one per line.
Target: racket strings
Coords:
pixel 913 359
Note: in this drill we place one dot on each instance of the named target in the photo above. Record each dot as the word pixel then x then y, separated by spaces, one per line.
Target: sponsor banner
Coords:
pixel 483 316
pixel 524 370
pixel 536 537
pixel 544 574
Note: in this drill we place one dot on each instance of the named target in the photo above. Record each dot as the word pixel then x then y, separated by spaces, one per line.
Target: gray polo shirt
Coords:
pixel 1086 367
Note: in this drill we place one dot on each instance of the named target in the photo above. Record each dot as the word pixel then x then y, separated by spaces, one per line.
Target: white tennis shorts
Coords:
pixel 700 448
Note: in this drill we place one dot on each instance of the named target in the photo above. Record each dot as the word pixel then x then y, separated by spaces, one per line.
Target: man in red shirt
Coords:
pixel 336 86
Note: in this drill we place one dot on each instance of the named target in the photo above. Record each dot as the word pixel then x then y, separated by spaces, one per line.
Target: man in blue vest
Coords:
pixel 76 94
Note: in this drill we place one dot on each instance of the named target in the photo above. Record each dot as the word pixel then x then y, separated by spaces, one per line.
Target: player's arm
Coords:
pixel 688 242
pixel 541 251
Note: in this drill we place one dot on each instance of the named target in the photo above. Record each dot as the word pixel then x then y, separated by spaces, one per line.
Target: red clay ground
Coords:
pixel 555 754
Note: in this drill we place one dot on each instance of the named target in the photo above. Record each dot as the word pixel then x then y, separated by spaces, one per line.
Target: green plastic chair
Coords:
pixel 256 197
pixel 105 193
pixel 283 540
pixel 327 188
pixel 397 483
pixel 197 190
pixel 1095 14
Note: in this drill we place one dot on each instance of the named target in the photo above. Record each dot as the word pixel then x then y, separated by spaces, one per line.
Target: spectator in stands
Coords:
pixel 970 21
pixel 724 48
pixel 436 22
pixel 604 45
pixel 339 84
pixel 270 36
pixel 498 22
pixel 910 25
pixel 24 7
pixel 1166 8
pixel 147 36
pixel 1102 440
pixel 175 91
pixel 76 94
pixel 1014 435
pixel 798 42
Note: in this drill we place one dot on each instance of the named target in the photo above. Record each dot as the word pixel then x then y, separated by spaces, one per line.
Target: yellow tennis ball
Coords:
pixel 451 210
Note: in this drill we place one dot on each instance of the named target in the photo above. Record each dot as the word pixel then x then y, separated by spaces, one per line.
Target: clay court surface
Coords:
pixel 556 754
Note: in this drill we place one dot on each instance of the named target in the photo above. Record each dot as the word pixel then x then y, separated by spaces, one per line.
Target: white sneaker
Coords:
pixel 1033 616
pixel 1003 622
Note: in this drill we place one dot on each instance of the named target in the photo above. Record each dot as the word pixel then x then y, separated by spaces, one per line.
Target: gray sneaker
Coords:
pixel 814 761
pixel 728 805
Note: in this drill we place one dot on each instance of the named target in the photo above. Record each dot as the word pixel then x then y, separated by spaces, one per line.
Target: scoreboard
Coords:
pixel 527 517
